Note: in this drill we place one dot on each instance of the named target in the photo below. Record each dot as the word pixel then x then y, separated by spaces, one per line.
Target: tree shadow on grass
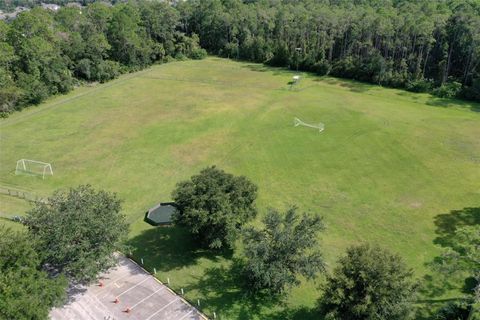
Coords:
pixel 447 224
pixel 225 292
pixel 434 286
pixel 168 248
pixel 351 85
pixel 446 103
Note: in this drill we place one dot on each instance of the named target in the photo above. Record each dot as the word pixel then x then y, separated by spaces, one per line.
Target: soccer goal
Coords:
pixel 34 167
pixel 297 122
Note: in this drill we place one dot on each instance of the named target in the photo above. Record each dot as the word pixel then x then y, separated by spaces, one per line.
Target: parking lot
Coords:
pixel 126 292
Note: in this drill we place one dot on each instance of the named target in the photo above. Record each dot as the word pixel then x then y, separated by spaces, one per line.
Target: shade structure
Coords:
pixel 161 214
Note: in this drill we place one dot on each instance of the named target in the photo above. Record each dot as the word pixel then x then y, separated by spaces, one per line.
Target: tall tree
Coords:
pixel 463 256
pixel 213 205
pixel 78 230
pixel 369 283
pixel 26 292
pixel 286 248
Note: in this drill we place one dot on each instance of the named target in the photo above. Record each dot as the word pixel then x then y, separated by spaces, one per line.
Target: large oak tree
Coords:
pixel 78 231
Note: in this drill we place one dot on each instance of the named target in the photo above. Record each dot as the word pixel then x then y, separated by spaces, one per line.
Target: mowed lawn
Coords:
pixel 390 168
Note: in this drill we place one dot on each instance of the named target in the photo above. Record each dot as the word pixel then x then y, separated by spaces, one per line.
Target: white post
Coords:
pixel 168 281
pixel 141 259
pixel 214 315
pixel 198 301
pixel 24 167
pixel 154 271
pixel 182 291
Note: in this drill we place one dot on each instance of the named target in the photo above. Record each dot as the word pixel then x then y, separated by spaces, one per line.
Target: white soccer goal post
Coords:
pixel 297 122
pixel 33 167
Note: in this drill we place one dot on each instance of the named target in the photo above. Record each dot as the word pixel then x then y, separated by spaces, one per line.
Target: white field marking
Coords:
pixel 132 287
pixel 174 300
pixel 186 315
pixel 116 285
pixel 136 304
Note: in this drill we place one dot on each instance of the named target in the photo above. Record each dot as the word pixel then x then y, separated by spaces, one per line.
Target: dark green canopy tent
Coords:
pixel 161 214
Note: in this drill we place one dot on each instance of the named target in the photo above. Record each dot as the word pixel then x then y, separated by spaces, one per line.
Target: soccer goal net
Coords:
pixel 34 167
pixel 297 122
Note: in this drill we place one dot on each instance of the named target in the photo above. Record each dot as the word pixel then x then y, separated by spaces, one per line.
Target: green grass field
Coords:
pixel 390 167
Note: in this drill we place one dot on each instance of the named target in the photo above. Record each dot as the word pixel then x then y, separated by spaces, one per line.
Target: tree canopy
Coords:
pixel 78 231
pixel 369 283
pixel 416 45
pixel 463 256
pixel 284 249
pixel 26 292
pixel 213 205
pixel 43 53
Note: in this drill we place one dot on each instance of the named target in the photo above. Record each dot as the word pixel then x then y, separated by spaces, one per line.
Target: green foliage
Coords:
pixel 78 231
pixel 213 205
pixel 286 248
pixel 26 292
pixel 453 311
pixel 369 283
pixel 420 85
pixel 463 256
pixel 42 52
pixel 448 90
pixel 389 44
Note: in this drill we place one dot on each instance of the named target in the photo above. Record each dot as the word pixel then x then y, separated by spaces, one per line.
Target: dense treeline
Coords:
pixel 419 45
pixel 44 53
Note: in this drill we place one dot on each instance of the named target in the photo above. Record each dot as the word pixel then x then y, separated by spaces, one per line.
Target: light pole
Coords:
pixel 297 51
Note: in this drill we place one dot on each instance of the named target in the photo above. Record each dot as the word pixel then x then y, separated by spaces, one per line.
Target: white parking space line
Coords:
pixel 136 304
pixel 133 287
pixel 115 281
pixel 186 315
pixel 175 300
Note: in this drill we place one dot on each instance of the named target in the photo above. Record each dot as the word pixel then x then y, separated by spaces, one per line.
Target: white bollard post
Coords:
pixel 168 281
pixel 142 261
pixel 198 301
pixel 182 291
pixel 154 271
pixel 214 315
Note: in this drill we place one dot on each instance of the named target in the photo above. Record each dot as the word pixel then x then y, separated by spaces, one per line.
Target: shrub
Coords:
pixel 198 54
pixel 322 67
pixel 448 90
pixel 420 85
